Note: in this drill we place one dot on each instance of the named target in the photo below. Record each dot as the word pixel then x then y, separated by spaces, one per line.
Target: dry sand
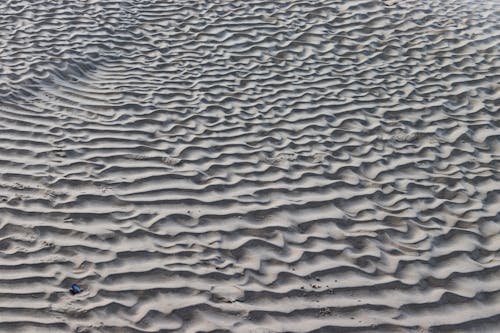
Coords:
pixel 249 166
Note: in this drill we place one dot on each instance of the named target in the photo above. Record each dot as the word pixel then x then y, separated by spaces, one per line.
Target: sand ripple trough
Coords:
pixel 249 166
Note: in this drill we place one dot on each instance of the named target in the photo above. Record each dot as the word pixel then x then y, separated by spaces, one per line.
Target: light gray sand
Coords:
pixel 249 166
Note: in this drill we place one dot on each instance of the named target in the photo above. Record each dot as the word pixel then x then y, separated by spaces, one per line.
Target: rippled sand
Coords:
pixel 249 166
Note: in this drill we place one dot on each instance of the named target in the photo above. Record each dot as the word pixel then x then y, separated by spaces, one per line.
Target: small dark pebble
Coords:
pixel 75 289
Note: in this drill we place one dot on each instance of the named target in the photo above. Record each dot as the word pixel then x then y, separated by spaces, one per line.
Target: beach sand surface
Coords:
pixel 249 166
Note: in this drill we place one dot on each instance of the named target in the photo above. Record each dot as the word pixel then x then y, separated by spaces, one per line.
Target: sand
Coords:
pixel 249 166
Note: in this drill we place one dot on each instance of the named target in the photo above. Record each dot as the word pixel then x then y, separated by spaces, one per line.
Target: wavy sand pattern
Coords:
pixel 249 166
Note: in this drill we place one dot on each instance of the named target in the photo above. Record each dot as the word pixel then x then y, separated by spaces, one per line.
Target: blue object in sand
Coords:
pixel 75 289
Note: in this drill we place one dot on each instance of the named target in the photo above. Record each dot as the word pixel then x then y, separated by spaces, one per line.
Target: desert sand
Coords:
pixel 249 166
